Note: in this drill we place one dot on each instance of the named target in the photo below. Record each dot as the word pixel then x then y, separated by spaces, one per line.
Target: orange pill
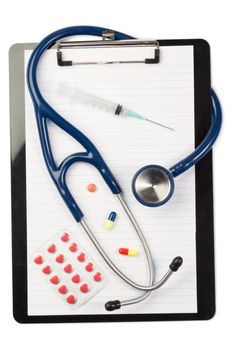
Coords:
pixel 91 187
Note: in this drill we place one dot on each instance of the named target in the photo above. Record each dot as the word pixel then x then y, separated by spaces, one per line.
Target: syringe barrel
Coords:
pixel 86 98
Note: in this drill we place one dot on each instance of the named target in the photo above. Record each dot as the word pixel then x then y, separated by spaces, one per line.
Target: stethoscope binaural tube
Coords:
pixel 153 185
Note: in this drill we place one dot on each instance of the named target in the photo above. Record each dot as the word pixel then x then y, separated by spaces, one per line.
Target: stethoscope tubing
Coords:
pixel 206 145
pixel 45 112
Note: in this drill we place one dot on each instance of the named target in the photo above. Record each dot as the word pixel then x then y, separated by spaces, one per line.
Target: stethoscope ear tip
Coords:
pixel 176 263
pixel 113 305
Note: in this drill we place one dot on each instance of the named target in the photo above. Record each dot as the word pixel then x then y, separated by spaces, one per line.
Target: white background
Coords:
pixel 29 21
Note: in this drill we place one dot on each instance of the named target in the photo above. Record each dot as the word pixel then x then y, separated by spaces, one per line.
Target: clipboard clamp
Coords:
pixel 108 40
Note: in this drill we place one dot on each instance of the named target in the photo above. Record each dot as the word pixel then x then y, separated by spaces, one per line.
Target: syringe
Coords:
pixel 79 96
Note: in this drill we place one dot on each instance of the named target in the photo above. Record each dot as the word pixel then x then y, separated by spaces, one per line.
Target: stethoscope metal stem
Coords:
pixel 146 250
pixel 104 255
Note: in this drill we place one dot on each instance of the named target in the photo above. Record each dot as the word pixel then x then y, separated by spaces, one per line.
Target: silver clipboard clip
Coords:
pixel 108 40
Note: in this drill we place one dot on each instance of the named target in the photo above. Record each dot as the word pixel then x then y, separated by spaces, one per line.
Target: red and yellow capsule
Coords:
pixel 129 252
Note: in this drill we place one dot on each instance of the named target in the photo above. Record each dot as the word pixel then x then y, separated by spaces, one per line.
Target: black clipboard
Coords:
pixel 204 197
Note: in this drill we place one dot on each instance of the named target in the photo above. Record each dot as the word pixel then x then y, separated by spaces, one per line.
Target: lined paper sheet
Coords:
pixel 164 92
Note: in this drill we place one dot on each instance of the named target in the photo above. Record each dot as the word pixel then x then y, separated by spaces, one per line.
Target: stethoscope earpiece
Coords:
pixel 174 266
pixel 153 185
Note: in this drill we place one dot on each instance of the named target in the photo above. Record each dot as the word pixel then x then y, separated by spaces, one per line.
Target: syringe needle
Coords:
pixel 164 126
pixel 129 113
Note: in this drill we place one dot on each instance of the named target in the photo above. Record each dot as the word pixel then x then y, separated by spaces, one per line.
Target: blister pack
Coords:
pixel 69 269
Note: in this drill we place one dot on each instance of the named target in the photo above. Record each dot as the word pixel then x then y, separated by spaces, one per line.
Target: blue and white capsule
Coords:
pixel 110 222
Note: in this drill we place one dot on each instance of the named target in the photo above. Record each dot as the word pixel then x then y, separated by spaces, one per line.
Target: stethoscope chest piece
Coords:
pixel 153 185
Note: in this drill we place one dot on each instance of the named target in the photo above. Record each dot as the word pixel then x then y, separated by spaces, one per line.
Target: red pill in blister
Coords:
pixel 62 289
pixel 73 247
pixel 97 277
pixel 60 258
pixel 89 267
pixel 81 257
pixel 84 288
pixel 55 279
pixel 71 299
pixel 68 268
pixel 38 260
pixel 51 248
pixel 65 237
pixel 47 270
pixel 76 278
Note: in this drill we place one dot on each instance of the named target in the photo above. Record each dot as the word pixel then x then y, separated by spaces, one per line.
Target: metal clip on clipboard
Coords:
pixel 108 40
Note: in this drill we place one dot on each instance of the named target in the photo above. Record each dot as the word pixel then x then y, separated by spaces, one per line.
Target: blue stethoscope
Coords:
pixel 152 185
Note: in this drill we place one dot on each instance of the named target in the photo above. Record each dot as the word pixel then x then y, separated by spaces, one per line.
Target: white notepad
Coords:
pixel 164 92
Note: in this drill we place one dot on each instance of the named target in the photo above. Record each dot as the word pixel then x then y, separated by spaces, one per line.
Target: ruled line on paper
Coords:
pixel 163 91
